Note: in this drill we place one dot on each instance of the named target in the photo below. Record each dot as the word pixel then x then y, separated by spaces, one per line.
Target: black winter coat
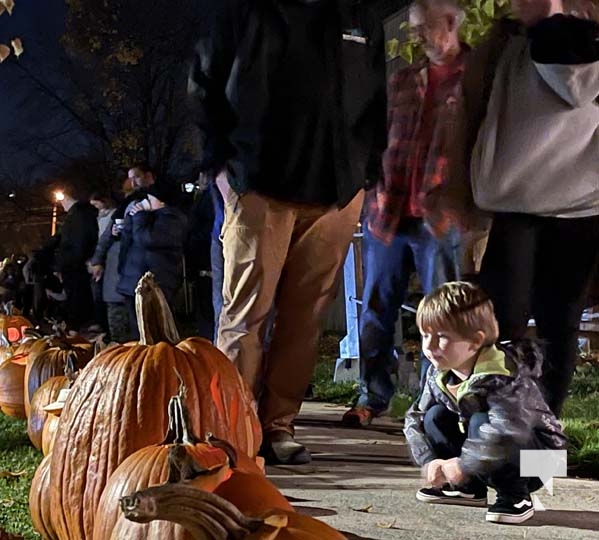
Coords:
pixel 237 60
pixel 76 240
pixel 152 242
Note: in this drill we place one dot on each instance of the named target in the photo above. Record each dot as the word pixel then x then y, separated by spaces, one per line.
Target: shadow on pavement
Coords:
pixel 573 519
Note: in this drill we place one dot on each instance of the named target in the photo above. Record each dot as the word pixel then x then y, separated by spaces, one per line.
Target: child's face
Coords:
pixel 448 350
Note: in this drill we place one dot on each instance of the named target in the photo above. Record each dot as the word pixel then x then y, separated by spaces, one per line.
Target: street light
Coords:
pixel 58 196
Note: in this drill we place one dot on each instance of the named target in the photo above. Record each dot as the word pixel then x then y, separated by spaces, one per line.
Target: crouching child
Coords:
pixel 481 404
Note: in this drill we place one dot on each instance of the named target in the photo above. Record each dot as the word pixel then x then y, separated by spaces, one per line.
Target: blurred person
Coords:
pixel 480 406
pixel 528 144
pixel 291 97
pixel 404 226
pixel 152 240
pixel 105 262
pixel 70 248
pixel 106 207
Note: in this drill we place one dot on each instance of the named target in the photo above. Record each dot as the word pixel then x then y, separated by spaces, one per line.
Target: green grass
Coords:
pixel 17 455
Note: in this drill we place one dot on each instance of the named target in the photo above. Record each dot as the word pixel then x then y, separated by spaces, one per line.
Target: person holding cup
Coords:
pixel 152 240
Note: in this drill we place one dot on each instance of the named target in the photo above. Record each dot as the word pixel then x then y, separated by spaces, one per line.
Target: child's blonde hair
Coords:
pixel 460 307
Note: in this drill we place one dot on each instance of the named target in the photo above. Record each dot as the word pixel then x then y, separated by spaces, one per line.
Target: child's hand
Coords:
pixel 452 470
pixel 433 473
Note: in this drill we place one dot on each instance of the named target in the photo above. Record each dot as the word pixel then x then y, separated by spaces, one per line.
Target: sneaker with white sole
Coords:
pixel 448 494
pixel 511 510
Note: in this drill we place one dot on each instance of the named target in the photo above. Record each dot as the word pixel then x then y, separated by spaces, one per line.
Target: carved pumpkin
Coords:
pixel 210 517
pixel 118 406
pixel 14 323
pixel 39 501
pixel 48 358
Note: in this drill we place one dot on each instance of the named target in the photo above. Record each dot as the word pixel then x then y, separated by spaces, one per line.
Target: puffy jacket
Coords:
pixel 152 241
pixel 504 383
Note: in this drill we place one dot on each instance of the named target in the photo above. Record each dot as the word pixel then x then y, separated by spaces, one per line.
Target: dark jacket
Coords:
pixel 232 80
pixel 152 241
pixel 76 240
pixel 504 384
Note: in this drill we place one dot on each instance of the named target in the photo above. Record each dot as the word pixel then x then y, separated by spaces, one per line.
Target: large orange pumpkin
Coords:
pixel 210 517
pixel 39 501
pixel 118 406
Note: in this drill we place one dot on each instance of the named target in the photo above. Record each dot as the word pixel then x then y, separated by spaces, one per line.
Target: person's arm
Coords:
pixel 223 25
pixel 565 51
pixel 421 450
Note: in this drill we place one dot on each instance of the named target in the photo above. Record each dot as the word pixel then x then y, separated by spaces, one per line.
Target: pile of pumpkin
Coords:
pixel 152 440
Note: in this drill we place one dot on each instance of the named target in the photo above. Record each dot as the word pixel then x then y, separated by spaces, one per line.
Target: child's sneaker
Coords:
pixel 509 509
pixel 453 495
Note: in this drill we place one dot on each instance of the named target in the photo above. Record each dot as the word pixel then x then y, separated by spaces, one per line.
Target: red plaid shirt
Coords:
pixel 415 162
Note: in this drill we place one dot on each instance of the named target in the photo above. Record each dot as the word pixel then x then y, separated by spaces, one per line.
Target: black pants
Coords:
pixel 441 427
pixel 542 267
pixel 79 305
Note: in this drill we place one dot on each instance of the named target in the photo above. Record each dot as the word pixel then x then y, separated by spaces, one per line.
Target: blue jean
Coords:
pixel 387 270
pixel 217 261
pixel 441 427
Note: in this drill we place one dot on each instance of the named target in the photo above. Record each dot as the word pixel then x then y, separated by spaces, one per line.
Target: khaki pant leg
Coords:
pixel 308 284
pixel 256 235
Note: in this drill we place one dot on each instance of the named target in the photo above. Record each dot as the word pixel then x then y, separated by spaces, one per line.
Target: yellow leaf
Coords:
pixel 8 5
pixel 4 52
pixel 17 46
pixel 387 525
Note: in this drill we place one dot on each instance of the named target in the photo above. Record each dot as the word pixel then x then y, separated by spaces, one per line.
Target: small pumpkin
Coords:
pixel 47 393
pixel 39 501
pixel 12 372
pixel 118 405
pixel 48 358
pixel 180 456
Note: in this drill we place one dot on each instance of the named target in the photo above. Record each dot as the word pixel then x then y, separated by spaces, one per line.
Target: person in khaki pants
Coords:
pixel 294 125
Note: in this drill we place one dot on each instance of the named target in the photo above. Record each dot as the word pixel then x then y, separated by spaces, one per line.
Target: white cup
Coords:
pixel 119 224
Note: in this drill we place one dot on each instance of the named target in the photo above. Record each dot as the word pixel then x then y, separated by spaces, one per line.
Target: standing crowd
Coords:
pixel 478 169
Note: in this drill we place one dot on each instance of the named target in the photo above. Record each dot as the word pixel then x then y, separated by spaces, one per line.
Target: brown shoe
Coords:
pixel 280 448
pixel 358 417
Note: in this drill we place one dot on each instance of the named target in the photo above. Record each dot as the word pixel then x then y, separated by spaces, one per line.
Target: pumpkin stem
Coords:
pixel 70 371
pixel 178 419
pixel 225 446
pixel 205 515
pixel 154 317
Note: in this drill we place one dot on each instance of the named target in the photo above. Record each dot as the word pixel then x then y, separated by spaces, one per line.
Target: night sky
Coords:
pixel 39 24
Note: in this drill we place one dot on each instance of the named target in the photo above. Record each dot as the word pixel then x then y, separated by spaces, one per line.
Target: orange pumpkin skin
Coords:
pixel 49 433
pixel 298 527
pixel 39 501
pixel 12 382
pixel 118 405
pixel 46 362
pixel 44 395
pixel 150 467
pixel 252 494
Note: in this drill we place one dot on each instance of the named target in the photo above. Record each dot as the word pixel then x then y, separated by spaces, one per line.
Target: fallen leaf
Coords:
pixel 387 525
pixel 366 509
pixel 10 474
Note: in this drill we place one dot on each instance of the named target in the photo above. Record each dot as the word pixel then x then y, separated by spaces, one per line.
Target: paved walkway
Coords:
pixel 361 481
